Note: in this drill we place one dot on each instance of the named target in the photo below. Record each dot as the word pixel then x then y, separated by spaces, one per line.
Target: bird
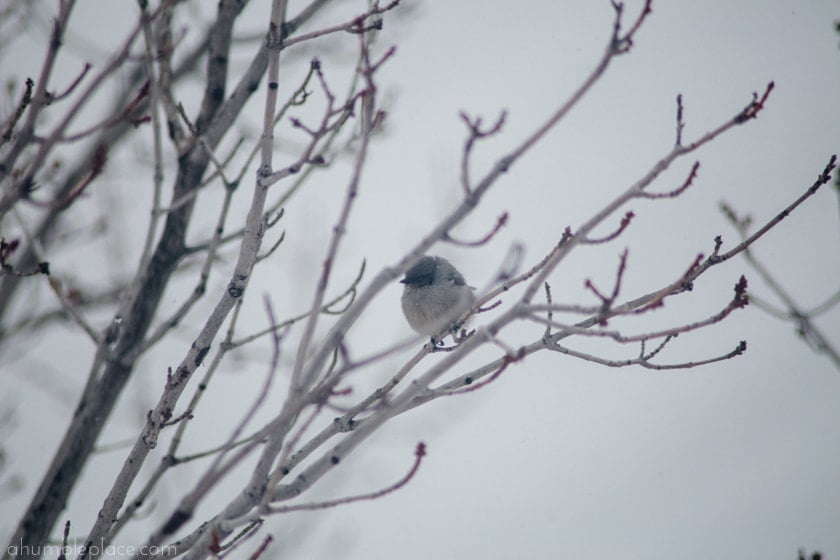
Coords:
pixel 435 296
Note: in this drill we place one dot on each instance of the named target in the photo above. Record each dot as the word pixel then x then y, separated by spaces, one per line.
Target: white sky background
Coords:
pixel 557 458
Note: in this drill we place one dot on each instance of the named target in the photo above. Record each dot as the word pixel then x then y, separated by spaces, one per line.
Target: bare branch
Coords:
pixel 358 24
pixel 793 312
pixel 475 133
pixel 607 301
pixel 739 301
pixel 500 223
pixel 644 360
pixel 419 453
pixel 679 190
pixel 301 379
pixel 25 99
pixel 823 178
pixel 625 221
pixel 680 121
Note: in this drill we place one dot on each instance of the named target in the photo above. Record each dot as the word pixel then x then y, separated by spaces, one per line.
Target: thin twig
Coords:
pixel 419 453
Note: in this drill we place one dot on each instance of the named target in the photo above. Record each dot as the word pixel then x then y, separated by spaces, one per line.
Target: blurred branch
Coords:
pixel 112 369
pixel 792 312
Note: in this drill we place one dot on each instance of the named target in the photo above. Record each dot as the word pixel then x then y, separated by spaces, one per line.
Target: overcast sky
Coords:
pixel 558 458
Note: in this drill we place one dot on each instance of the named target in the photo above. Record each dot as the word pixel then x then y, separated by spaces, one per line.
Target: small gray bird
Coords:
pixel 435 295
